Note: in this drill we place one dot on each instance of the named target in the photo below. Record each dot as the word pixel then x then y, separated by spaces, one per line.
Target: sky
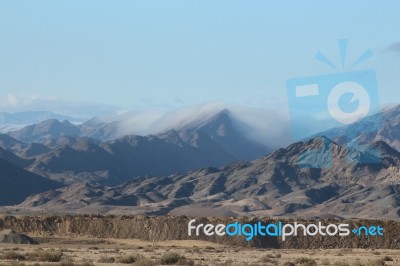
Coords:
pixel 95 56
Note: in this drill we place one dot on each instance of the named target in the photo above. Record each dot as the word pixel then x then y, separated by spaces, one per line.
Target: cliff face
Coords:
pixel 175 228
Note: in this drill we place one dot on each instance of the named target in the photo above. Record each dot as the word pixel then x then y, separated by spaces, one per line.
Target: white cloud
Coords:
pixel 270 126
pixel 267 126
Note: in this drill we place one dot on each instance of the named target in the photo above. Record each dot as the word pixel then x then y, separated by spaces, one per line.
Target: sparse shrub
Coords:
pixel 325 262
pixel 340 263
pixel 289 263
pixel 376 253
pixel 31 256
pixel 67 263
pixel 184 261
pixel 87 263
pixel 171 258
pixel 388 258
pixel 305 262
pixel 225 263
pixel 49 256
pixel 12 255
pixel 70 263
pixel 105 259
pixel 195 250
pixel 267 258
pixel 129 259
pixel 144 262
pixel 378 262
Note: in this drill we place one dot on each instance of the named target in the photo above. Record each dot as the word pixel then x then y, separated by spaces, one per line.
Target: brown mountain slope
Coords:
pixel 283 183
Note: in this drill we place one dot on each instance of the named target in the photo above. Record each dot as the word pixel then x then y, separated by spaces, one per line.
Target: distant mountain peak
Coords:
pixel 49 123
pixel 394 110
pixel 222 117
pixel 33 117
pixel 320 143
pixel 322 152
pixel 320 140
pixel 223 114
pixel 48 129
pixel 380 126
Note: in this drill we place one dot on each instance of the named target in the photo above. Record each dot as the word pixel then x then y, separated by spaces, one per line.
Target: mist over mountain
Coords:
pixel 263 126
pixel 221 127
pixel 64 153
pixel 27 118
pixel 206 167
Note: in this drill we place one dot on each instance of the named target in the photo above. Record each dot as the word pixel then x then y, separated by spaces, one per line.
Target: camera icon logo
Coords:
pixel 333 101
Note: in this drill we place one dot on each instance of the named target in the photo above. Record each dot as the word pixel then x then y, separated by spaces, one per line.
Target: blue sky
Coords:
pixel 155 53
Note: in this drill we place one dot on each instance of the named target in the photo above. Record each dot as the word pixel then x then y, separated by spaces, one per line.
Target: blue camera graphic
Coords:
pixel 334 101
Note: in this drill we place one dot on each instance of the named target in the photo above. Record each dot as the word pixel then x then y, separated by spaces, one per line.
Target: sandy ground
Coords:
pixel 92 251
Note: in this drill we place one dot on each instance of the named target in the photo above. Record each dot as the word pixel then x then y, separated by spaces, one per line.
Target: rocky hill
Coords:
pixel 284 183
pixel 384 126
pixel 175 228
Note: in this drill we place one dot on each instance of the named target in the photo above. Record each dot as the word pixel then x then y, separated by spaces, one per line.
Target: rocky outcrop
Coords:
pixel 175 228
pixel 9 236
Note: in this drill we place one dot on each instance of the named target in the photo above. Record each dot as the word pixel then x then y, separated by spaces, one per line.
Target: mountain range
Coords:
pixel 14 121
pixel 198 170
pixel 278 184
pixel 65 152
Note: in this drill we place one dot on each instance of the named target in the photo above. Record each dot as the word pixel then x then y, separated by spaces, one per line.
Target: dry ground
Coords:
pixel 69 251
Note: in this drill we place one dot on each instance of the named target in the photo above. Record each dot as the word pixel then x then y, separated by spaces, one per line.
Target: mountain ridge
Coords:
pixel 17 183
pixel 381 126
pixel 317 177
pixel 75 158
pixel 273 185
